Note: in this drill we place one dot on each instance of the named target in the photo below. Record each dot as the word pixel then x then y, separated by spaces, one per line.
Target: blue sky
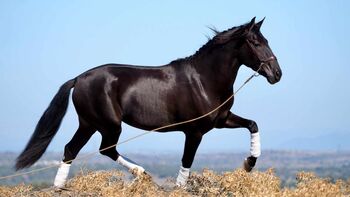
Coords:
pixel 45 43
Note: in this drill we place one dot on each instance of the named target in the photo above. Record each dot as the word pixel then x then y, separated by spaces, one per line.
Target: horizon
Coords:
pixel 211 152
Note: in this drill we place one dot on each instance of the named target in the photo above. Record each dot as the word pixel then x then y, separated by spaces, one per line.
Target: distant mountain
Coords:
pixel 328 142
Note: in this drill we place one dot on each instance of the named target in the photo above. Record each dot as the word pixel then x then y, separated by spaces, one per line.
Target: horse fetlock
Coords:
pixel 137 171
pixel 131 165
pixel 62 174
pixel 182 178
pixel 255 147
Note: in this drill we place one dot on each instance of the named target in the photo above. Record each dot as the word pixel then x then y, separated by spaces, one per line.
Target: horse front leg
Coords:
pixel 193 139
pixel 234 121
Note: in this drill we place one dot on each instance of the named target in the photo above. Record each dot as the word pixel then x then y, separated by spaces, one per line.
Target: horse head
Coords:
pixel 257 54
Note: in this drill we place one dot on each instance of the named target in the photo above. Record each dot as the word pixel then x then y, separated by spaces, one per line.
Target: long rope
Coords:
pixel 139 135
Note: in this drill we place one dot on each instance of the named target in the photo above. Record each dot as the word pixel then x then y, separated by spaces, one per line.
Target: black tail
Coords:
pixel 46 128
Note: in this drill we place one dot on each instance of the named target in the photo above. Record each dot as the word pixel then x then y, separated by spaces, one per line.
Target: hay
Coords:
pixel 206 183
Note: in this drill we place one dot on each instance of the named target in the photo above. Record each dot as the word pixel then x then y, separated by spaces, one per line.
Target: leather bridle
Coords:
pixel 263 61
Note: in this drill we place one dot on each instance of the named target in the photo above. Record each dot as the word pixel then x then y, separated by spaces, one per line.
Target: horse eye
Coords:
pixel 256 43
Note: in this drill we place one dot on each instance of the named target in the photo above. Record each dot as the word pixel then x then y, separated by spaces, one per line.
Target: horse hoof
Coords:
pixel 138 171
pixel 246 166
pixel 249 163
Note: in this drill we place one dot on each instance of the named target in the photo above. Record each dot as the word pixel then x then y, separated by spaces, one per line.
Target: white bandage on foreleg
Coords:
pixel 255 149
pixel 62 174
pixel 184 173
pixel 130 164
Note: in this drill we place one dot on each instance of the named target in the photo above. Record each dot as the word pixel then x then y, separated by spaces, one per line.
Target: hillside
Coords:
pixel 206 183
pixel 286 164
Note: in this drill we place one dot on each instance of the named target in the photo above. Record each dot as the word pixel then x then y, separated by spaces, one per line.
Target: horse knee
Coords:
pixel 253 127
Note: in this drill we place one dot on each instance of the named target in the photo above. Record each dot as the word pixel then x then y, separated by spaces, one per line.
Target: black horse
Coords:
pixel 150 97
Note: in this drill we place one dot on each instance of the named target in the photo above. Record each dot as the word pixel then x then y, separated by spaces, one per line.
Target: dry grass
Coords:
pixel 207 183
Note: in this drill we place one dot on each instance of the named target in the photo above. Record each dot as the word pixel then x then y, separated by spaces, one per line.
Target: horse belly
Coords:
pixel 146 105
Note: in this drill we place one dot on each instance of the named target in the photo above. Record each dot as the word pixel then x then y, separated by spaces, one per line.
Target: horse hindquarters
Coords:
pixel 95 99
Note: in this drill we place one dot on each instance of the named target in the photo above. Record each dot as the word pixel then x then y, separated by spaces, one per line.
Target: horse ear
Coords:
pixel 251 24
pixel 258 25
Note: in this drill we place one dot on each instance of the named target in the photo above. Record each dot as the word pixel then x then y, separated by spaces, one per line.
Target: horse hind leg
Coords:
pixel 71 150
pixel 109 142
pixel 108 148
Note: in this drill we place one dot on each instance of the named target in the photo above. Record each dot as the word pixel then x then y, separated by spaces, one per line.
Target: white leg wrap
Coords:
pixel 130 165
pixel 184 173
pixel 255 149
pixel 62 174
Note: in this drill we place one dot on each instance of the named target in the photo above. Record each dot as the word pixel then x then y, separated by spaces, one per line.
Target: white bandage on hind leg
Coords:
pixel 130 164
pixel 62 174
pixel 255 149
pixel 184 173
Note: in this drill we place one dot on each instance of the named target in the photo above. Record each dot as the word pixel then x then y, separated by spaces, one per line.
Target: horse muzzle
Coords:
pixel 271 71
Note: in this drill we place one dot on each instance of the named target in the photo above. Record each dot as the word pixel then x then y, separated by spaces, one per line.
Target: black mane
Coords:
pixel 219 38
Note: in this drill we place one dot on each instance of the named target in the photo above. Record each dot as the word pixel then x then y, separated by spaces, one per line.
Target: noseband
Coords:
pixel 263 61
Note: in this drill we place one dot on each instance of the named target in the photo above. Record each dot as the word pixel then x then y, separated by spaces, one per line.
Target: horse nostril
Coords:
pixel 278 74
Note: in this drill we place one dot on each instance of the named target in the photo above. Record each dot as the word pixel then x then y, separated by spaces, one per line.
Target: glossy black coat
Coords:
pixel 151 97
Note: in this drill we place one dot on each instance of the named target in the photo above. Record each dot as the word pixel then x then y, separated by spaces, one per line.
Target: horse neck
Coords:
pixel 219 68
